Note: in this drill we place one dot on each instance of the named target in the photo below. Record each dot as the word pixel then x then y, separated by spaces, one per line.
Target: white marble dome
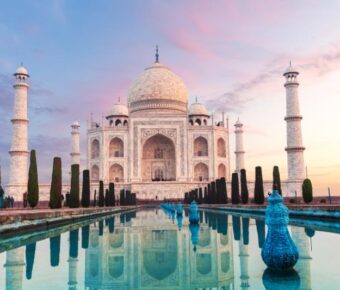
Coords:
pixel 158 88
pixel 119 110
pixel 21 70
pixel 198 109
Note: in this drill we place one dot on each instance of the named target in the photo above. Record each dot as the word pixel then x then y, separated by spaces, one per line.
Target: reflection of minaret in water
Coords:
pixel 73 260
pixel 302 242
pixel 243 254
pixel 14 269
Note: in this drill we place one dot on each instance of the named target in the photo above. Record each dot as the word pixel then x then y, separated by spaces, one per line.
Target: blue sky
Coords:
pixel 82 56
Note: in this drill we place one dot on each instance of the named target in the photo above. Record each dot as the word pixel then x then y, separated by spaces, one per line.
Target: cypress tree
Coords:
pixel 112 198
pixel 122 197
pixel 224 190
pixel 307 191
pixel 244 187
pixel 30 253
pixel 200 195
pixel 258 190
pixel 111 223
pixel 74 192
pixel 85 236
pixel 186 198
pixel 205 197
pixel 33 184
pixel 95 198
pixel 213 192
pixel 218 191
pixel 209 193
pixel 101 194
pixel 128 197
pixel 277 179
pixel 55 192
pixel 85 194
pixel 107 197
pixel 54 250
pixel 235 192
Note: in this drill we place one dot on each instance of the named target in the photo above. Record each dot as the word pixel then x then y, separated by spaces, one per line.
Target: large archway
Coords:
pixel 159 159
pixel 201 172
pixel 116 173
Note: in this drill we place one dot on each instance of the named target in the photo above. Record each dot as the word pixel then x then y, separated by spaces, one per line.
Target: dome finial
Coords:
pixel 157 55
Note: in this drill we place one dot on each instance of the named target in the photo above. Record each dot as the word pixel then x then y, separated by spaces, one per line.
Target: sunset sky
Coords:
pixel 83 55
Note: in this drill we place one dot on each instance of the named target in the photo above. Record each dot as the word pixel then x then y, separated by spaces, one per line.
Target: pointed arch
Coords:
pixel 95 173
pixel 116 148
pixel 221 148
pixel 95 149
pixel 201 172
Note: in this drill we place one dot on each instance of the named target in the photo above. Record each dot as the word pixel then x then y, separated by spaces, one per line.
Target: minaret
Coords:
pixel 294 136
pixel 19 149
pixel 239 152
pixel 14 268
pixel 75 153
pixel 72 273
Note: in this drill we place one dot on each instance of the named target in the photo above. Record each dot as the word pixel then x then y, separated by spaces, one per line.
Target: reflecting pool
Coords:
pixel 152 249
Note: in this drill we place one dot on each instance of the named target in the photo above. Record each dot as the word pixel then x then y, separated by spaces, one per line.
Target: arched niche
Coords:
pixel 221 170
pixel 95 149
pixel 221 148
pixel 203 263
pixel 201 172
pixel 116 148
pixel 200 146
pixel 95 173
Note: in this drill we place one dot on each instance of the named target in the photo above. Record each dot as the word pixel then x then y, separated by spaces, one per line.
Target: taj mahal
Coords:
pixel 158 145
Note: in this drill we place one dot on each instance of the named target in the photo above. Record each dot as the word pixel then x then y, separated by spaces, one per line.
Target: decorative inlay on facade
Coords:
pixel 146 133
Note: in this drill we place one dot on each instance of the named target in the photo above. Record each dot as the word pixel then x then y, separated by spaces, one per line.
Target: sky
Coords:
pixel 83 55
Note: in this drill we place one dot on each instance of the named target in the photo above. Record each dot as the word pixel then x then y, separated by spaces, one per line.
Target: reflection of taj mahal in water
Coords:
pixel 152 255
pixel 142 251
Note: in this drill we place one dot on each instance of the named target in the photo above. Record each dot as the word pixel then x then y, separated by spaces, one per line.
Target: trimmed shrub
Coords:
pixel 235 192
pixel 236 227
pixel 85 194
pixel 107 198
pixel 245 231
pixel 55 192
pixel 244 187
pixel 95 198
pixel 307 190
pixel 122 197
pixel 277 179
pixel 33 184
pixel 205 197
pixel 74 192
pixel 223 184
pixel 258 191
pixel 112 198
pixel 261 232
pixel 213 193
pixel 322 200
pixel 101 194
pixel 200 195
pixel 186 197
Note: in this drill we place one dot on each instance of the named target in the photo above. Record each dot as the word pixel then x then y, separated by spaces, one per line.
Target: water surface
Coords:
pixel 151 249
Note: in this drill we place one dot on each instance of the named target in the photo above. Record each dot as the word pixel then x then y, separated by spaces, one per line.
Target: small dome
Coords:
pixel 238 123
pixel 21 70
pixel 198 109
pixel 119 110
pixel 291 69
pixel 158 88
pixel 76 123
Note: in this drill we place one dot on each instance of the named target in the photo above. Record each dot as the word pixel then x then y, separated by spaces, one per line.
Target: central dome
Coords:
pixel 158 88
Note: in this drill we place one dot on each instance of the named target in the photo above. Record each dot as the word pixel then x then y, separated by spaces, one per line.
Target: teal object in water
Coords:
pixel 279 251
pixel 194 231
pixel 193 214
